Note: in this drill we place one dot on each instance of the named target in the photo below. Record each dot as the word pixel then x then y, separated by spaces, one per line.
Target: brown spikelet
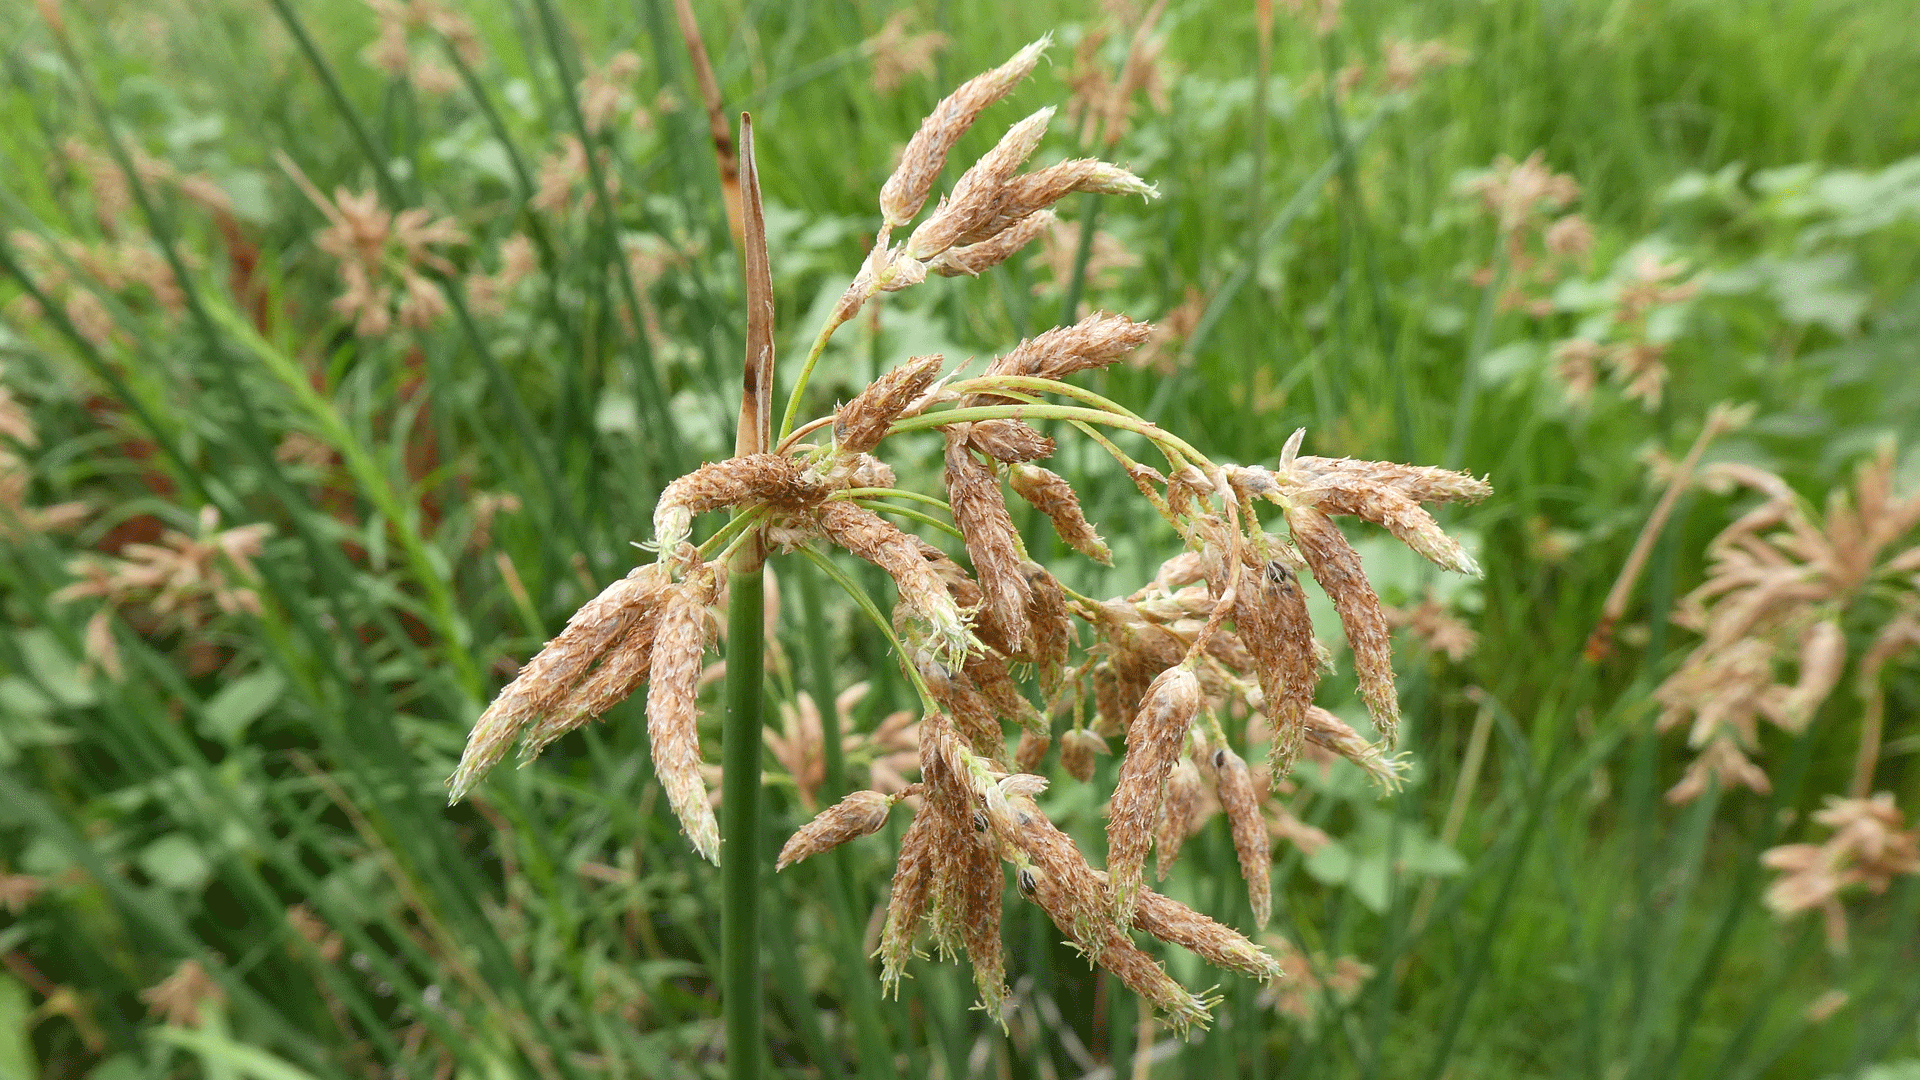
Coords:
pixel 1052 625
pixel 1029 193
pixel 1111 713
pixel 1177 924
pixel 972 260
pixel 1250 841
pixel 754 478
pixel 981 887
pixel 1421 483
pixel 1329 732
pixel 1398 514
pixel 1154 740
pixel 905 192
pixel 1271 620
pixel 1077 749
pixel 862 813
pixel 971 203
pixel 1095 341
pixel 973 715
pixel 980 510
pixel 624 670
pixel 878 541
pixel 995 683
pixel 912 888
pixel 547 678
pixel 1050 494
pixel 862 423
pixel 1143 975
pixel 1008 440
pixel 1031 751
pixel 673 713
pixel 1176 821
pixel 1336 566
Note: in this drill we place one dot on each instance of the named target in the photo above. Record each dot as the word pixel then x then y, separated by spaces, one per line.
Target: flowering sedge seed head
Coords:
pixel 1177 924
pixel 1029 193
pixel 1049 493
pixel 862 423
pixel 972 260
pixel 878 541
pixel 1177 816
pixel 978 190
pixel 980 510
pixel 1031 750
pixel 862 813
pixel 1336 566
pixel 1270 615
pixel 775 479
pixel 1329 732
pixel 1008 440
pixel 1093 342
pixel 905 192
pixel 1077 749
pixel 673 712
pixel 1241 801
pixel 1154 740
pixel 912 888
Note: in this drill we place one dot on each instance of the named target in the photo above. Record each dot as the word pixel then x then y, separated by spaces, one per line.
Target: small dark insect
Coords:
pixel 1219 759
pixel 1028 882
pixel 1279 576
pixel 979 821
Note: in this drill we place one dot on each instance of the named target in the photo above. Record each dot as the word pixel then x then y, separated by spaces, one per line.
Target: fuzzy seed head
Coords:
pixel 1077 749
pixel 979 189
pixel 878 541
pixel 972 260
pixel 1049 493
pixel 862 813
pixel 1177 924
pixel 1336 566
pixel 1154 740
pixel 863 422
pixel 1093 342
pixel 1177 816
pixel 1008 440
pixel 774 479
pixel 673 713
pixel 905 192
pixel 1241 800
pixel 980 510
pixel 1271 619
pixel 912 888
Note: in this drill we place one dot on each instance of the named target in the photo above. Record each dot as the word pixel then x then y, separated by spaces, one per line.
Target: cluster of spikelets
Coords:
pixel 1784 589
pixel 1221 631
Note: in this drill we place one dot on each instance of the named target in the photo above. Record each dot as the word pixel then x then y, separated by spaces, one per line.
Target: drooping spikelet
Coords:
pixel 1176 821
pixel 1031 751
pixel 861 813
pixel 1177 924
pixel 980 510
pixel 905 192
pixel 981 886
pixel 553 671
pixel 1032 192
pixel 912 888
pixel 1154 741
pixel 971 203
pixel 1336 566
pixel 1008 440
pixel 878 541
pixel 1270 615
pixel 673 713
pixel 862 423
pixel 774 479
pixel 624 670
pixel 1250 841
pixel 1050 494
pixel 972 260
pixel 1051 625
pixel 1077 749
pixel 1332 733
pixel 1421 483
pixel 1095 341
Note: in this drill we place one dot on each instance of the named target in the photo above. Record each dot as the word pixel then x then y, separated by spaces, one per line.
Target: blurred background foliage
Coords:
pixel 345 347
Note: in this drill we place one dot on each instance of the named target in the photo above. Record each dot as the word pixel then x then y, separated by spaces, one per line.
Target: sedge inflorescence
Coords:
pixel 1221 631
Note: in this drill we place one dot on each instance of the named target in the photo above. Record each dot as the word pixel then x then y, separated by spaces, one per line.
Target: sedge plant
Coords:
pixel 1220 638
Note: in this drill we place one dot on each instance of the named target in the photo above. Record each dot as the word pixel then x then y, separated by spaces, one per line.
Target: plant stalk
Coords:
pixel 740 993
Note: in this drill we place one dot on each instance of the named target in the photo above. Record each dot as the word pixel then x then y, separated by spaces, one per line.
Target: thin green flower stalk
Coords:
pixel 1221 630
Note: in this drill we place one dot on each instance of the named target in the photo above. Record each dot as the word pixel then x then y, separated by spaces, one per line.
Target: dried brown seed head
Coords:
pixel 1031 751
pixel 979 189
pixel 1050 494
pixel 1008 440
pixel 980 510
pixel 1077 749
pixel 1154 740
pixel 862 813
pixel 774 479
pixel 1271 619
pixel 972 260
pixel 1179 816
pixel 1336 566
pixel 1095 341
pixel 863 422
pixel 673 713
pixel 922 590
pixel 1032 192
pixel 1241 800
pixel 1177 924
pixel 912 888
pixel 905 192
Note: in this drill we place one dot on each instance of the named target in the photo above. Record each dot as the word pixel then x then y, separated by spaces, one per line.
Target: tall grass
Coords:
pixel 290 760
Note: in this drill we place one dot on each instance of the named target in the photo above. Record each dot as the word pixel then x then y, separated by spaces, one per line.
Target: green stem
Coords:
pixel 1476 350
pixel 1158 435
pixel 806 372
pixel 740 993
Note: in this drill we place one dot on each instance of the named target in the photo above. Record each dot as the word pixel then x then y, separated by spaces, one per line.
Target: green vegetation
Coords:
pixel 271 536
